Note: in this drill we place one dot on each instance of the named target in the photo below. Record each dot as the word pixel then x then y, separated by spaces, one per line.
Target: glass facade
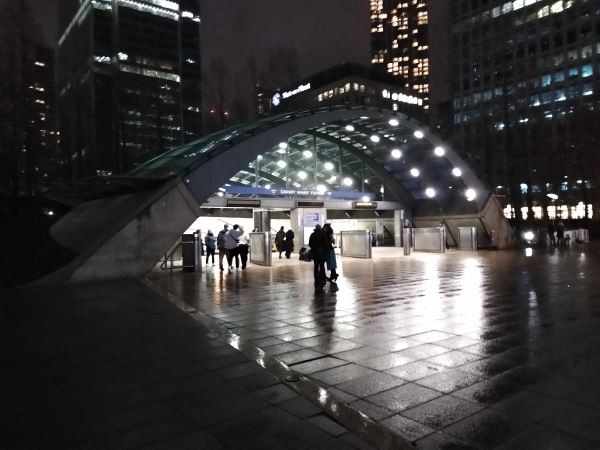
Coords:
pixel 526 95
pixel 399 41
pixel 129 83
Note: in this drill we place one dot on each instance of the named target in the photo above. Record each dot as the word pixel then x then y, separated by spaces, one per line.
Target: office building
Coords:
pixel 526 101
pixel 128 82
pixel 400 42
pixel 344 84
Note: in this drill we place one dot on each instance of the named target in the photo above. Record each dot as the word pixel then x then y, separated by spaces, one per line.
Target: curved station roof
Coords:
pixel 334 153
pixel 345 153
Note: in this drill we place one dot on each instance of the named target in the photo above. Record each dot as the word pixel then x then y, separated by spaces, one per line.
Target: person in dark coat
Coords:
pixel 288 244
pixel 319 250
pixel 210 240
pixel 279 241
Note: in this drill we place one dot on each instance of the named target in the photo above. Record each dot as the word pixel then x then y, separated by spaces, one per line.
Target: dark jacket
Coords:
pixel 319 245
pixel 288 244
pixel 211 241
pixel 279 240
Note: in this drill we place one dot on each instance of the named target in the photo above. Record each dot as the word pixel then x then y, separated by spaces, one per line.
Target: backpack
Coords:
pixel 304 254
pixel 221 239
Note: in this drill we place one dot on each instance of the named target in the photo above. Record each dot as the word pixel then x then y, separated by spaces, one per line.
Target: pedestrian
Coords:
pixel 210 241
pixel 221 245
pixel 243 248
pixel 288 244
pixel 560 233
pixel 551 229
pixel 319 250
pixel 279 240
pixel 331 261
pixel 232 239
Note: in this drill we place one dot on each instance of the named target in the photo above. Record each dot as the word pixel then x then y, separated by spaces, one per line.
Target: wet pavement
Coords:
pixel 461 350
pixel 456 351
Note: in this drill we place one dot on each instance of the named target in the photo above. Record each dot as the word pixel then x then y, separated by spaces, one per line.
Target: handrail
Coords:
pixel 163 265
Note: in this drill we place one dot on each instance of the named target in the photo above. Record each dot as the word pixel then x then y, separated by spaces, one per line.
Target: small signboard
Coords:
pixel 312 218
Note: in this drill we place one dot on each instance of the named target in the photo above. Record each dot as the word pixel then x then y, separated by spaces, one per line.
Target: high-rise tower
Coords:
pixel 399 41
pixel 128 82
pixel 526 101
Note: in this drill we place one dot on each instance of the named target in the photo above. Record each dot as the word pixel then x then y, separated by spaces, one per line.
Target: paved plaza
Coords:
pixel 455 351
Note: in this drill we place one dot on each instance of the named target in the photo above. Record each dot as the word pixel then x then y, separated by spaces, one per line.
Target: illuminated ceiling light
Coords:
pixel 332 178
pixel 381 189
pixel 430 192
pixel 302 175
pixel 307 153
pixel 220 194
pixel 439 151
pixel 456 172
pixel 414 172
pixel 396 153
pixel 267 186
pixel 347 181
pixel 552 196
pixel 365 198
pixel 375 138
pixel 259 157
pixel 364 117
pixel 470 194
pixel 394 122
pixel 321 189
pixel 366 181
pixel 281 163
pixel 419 134
pixel 222 189
pixel 283 145
pixel 349 128
pixel 328 166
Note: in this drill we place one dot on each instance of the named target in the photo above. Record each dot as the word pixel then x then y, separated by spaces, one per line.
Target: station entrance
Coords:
pixel 368 169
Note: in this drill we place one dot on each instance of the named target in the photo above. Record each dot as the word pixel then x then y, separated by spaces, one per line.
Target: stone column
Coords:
pixel 398 227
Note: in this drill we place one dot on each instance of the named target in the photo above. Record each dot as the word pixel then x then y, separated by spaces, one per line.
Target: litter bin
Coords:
pixel 190 252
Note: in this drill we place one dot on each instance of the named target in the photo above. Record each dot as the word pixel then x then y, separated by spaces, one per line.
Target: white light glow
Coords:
pixel 347 181
pixel 267 186
pixel 414 172
pixel 328 166
pixel 394 122
pixel 283 145
pixel 552 196
pixel 302 175
pixel 375 138
pixel 365 198
pixel 419 134
pixel 349 128
pixel 456 172
pixel 430 192
pixel 281 163
pixel 396 153
pixel 439 151
pixel 470 194
pixel 307 153
pixel 321 189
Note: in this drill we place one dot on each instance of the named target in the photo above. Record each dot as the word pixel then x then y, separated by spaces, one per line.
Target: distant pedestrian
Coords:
pixel 288 244
pixel 560 233
pixel 331 261
pixel 243 249
pixel 550 230
pixel 319 250
pixel 279 240
pixel 210 240
pixel 232 239
pixel 221 245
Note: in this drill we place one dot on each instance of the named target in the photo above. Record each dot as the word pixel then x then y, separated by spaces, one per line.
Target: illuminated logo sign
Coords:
pixel 301 88
pixel 276 100
pixel 400 97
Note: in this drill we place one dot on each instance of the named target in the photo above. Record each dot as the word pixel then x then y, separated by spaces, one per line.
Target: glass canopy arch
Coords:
pixel 372 154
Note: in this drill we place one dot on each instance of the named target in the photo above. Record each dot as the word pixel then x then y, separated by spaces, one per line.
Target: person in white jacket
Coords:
pixel 231 244
pixel 243 248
